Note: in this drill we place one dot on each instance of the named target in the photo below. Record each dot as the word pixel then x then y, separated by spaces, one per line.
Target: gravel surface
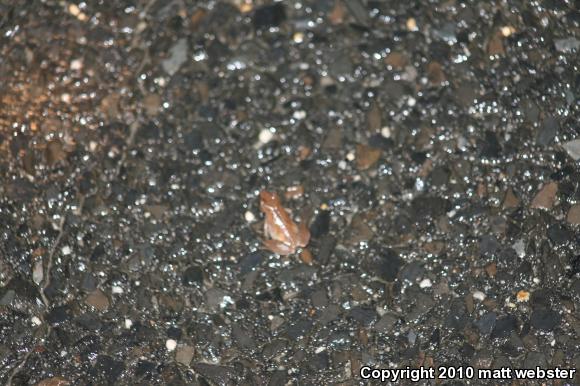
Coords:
pixel 431 148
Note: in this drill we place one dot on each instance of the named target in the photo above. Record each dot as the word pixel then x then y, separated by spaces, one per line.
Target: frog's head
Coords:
pixel 269 199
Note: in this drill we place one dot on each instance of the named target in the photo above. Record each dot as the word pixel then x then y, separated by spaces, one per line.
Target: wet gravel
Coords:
pixel 436 144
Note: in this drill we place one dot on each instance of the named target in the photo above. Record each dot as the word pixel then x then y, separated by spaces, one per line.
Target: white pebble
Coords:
pixel 65 98
pixel 76 64
pixel 300 114
pixel 411 102
pixel 478 295
pixel 425 283
pixel 386 132
pixel 249 216
pixel 350 156
pixel 128 323
pixel 66 250
pixel 265 136
pixel 36 321
pixel 116 289
pixel 171 344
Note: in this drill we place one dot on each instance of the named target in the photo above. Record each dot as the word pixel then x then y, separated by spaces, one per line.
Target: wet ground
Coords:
pixel 435 145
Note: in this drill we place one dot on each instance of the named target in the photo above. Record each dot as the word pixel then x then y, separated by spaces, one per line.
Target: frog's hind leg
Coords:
pixel 278 247
pixel 303 234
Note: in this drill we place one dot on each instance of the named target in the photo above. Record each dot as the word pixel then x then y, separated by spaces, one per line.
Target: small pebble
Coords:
pixel 507 30
pixel 298 37
pixel 425 283
pixel 265 136
pixel 523 296
pixel 478 295
pixel 116 289
pixel 386 132
pixel 128 323
pixel 36 321
pixel 411 24
pixel 249 216
pixel 300 114
pixel 66 250
pixel 76 64
pixel 171 344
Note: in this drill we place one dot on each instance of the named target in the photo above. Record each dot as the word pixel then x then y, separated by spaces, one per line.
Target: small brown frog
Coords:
pixel 285 236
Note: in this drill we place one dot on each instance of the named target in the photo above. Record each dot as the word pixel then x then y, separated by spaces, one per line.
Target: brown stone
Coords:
pixel 366 156
pixel 435 73
pixel 184 355
pixel 573 216
pixel 374 118
pixel 510 200
pixel 495 45
pixel 546 196
pixel 54 381
pixel 491 269
pixel 397 60
pixel 98 300
pixel 152 104
pixel 54 152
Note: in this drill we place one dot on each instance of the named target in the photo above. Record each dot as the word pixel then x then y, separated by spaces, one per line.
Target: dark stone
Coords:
pixel 298 329
pixel 269 16
pixel 22 288
pixel 89 282
pixel 98 253
pixel 192 275
pixel 545 319
pixel 279 377
pixel 89 321
pixel 145 369
pixel 380 142
pixel 535 359
pixel 490 146
pixel 251 261
pixel 439 176
pixel 193 140
pixel 318 362
pixel 58 315
pixel 219 375
pixel 488 245
pixel 108 368
pixel 364 316
pixel 486 323
pixel 559 235
pixel 387 265
pixel 423 206
pixel 319 298
pixel 457 315
pixel 174 333
pixel 386 323
pixel 547 131
pixel 412 271
pixel 504 326
pixel 273 348
pixel 243 337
